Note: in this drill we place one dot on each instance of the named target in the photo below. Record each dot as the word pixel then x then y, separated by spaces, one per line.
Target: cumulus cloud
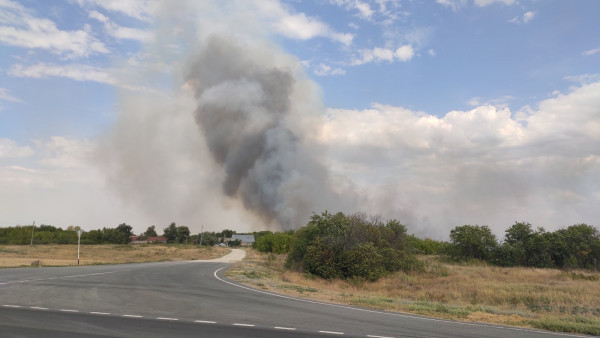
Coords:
pixel 377 54
pixel 325 70
pixel 20 28
pixel 474 167
pixel 10 149
pixel 298 25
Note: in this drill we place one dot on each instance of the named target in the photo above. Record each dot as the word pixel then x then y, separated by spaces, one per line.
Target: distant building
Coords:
pixel 247 240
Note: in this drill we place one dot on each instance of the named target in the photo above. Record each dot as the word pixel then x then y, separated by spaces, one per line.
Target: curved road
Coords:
pixel 192 299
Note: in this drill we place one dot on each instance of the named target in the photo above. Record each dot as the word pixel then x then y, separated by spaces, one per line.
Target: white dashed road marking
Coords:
pixel 242 324
pixel 166 318
pixel 373 336
pixel 132 316
pixel 204 321
pixel 38 308
pixel 67 310
pixel 332 332
pixel 285 328
pixel 99 313
pixel 8 305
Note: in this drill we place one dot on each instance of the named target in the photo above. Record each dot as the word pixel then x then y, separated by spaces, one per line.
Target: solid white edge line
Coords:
pixel 332 332
pixel 166 318
pixel 242 324
pixel 394 314
pixel 38 308
pixel 285 328
pixel 374 336
pixel 205 321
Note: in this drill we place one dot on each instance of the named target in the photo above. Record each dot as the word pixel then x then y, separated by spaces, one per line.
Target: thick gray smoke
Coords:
pixel 245 102
pixel 235 143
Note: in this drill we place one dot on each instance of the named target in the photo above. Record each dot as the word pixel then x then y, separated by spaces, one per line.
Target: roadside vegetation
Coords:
pixel 60 255
pixel 532 278
pixel 551 299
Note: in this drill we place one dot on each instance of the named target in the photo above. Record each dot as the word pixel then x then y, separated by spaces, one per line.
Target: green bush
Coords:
pixel 340 246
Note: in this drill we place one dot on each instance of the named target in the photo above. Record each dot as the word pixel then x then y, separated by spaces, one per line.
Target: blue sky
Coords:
pixel 489 84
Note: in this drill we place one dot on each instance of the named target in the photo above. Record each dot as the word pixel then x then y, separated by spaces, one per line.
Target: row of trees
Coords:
pixel 577 246
pixel 48 234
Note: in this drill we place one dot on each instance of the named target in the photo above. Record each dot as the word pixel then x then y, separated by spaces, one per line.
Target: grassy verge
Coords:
pixel 562 301
pixel 60 255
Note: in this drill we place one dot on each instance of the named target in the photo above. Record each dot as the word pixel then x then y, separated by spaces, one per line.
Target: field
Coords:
pixel 564 301
pixel 60 255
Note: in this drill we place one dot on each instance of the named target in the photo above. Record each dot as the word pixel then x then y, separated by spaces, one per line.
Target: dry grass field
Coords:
pixel 60 255
pixel 564 301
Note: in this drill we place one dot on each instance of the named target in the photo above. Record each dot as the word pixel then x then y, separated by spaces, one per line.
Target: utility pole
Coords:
pixel 33 227
pixel 78 241
pixel 201 234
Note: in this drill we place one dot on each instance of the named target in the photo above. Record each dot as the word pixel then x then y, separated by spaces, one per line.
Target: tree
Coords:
pixel 183 234
pixel 151 231
pixel 170 233
pixel 472 241
pixel 124 231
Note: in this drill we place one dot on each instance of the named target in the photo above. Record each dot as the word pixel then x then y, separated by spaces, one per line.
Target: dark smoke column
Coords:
pixel 245 100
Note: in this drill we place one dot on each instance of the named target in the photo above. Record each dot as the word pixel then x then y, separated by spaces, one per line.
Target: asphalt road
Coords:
pixel 185 299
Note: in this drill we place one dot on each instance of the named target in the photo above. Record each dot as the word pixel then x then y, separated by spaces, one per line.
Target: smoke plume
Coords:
pixel 232 144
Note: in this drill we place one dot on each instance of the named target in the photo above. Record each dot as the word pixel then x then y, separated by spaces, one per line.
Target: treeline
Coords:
pixel 340 246
pixel 48 234
pixel 576 247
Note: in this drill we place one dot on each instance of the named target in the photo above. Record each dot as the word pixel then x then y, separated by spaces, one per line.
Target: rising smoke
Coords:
pixel 232 144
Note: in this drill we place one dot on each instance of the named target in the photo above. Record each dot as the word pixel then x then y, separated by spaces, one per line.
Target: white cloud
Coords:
pixel 118 31
pixel 298 25
pixel 528 16
pixel 363 9
pixel 483 3
pixel 454 4
pixel 139 9
pixel 10 149
pixel 4 95
pixel 325 70
pixel 403 53
pixel 591 52
pixel 525 18
pixel 19 28
pixel 121 78
pixel 481 166
pixel 77 72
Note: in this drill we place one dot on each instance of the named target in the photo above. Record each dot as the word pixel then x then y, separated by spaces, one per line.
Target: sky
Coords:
pixel 253 114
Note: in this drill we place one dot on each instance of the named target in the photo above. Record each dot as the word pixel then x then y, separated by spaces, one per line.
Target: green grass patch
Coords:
pixel 300 289
pixel 373 301
pixel 581 325
pixel 440 308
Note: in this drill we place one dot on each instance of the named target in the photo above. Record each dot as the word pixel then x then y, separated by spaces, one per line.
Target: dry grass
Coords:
pixel 567 301
pixel 59 255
